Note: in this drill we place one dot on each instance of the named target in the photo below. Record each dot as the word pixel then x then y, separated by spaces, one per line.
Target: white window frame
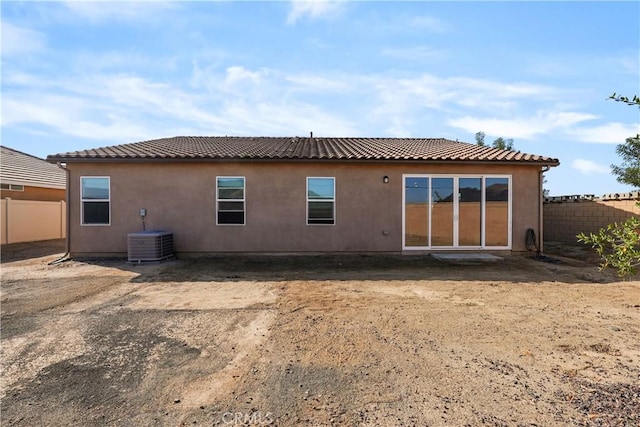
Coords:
pixel 456 191
pixel 332 200
pixel 243 200
pixel 509 210
pixel 82 202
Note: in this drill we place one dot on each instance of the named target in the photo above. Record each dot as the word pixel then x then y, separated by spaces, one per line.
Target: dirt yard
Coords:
pixel 316 341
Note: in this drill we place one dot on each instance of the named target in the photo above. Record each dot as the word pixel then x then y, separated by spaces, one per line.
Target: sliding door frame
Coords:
pixel 456 211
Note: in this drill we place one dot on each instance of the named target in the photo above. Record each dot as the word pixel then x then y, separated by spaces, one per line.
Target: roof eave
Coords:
pixel 53 159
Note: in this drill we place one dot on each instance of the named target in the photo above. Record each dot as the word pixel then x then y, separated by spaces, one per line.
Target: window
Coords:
pixel 95 195
pixel 12 187
pixel 321 201
pixel 230 200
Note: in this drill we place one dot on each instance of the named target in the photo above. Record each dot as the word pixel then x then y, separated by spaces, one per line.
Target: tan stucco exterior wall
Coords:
pixel 180 197
pixel 35 193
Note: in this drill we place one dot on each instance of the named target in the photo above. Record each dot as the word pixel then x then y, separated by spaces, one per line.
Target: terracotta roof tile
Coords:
pixel 20 168
pixel 285 148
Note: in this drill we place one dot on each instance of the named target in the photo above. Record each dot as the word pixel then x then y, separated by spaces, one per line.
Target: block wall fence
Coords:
pixel 566 216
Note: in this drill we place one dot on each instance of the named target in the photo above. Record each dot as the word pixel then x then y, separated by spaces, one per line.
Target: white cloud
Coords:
pixel 521 127
pixel 72 121
pixel 314 83
pixel 26 110
pixel 100 11
pixel 13 77
pixel 497 89
pixel 314 9
pixel 609 133
pixel 238 100
pixel 21 41
pixel 512 128
pixel 463 101
pixel 152 99
pixel 238 74
pixel 588 167
pixel 402 23
pixel 234 80
pixel 416 53
pixel 426 22
pixel 430 91
pixel 399 127
pixel 124 108
pixel 116 108
pixel 114 60
pixel 625 62
pixel 267 118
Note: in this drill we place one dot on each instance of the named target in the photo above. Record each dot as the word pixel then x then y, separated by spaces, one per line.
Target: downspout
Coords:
pixel 67 253
pixel 541 210
pixel 6 218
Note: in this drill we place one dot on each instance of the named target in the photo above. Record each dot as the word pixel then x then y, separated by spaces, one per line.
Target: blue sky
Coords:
pixel 78 75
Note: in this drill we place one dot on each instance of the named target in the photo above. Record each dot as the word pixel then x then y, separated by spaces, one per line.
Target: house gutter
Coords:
pixel 544 169
pixel 67 253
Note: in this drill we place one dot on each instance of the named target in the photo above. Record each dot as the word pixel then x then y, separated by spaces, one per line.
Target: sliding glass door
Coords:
pixel 497 207
pixel 416 211
pixel 457 212
pixel 442 211
pixel 470 212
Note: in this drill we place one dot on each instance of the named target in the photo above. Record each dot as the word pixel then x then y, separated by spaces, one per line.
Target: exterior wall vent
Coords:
pixel 151 245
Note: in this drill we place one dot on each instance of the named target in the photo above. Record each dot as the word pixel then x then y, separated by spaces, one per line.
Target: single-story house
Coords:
pixel 304 195
pixel 27 177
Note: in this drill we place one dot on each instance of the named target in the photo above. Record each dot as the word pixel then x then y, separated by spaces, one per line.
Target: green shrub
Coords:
pixel 618 245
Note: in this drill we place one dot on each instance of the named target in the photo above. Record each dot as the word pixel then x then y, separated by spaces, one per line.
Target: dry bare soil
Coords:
pixel 317 340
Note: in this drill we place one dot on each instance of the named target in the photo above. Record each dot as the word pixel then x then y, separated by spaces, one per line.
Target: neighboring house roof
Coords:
pixel 20 168
pixel 296 148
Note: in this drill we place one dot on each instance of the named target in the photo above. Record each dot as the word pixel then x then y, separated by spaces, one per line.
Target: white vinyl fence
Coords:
pixel 30 220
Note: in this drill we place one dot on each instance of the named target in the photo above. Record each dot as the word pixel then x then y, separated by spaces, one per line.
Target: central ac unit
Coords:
pixel 152 245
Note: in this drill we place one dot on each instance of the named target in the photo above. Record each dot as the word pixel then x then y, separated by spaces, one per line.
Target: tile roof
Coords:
pixel 296 148
pixel 20 168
